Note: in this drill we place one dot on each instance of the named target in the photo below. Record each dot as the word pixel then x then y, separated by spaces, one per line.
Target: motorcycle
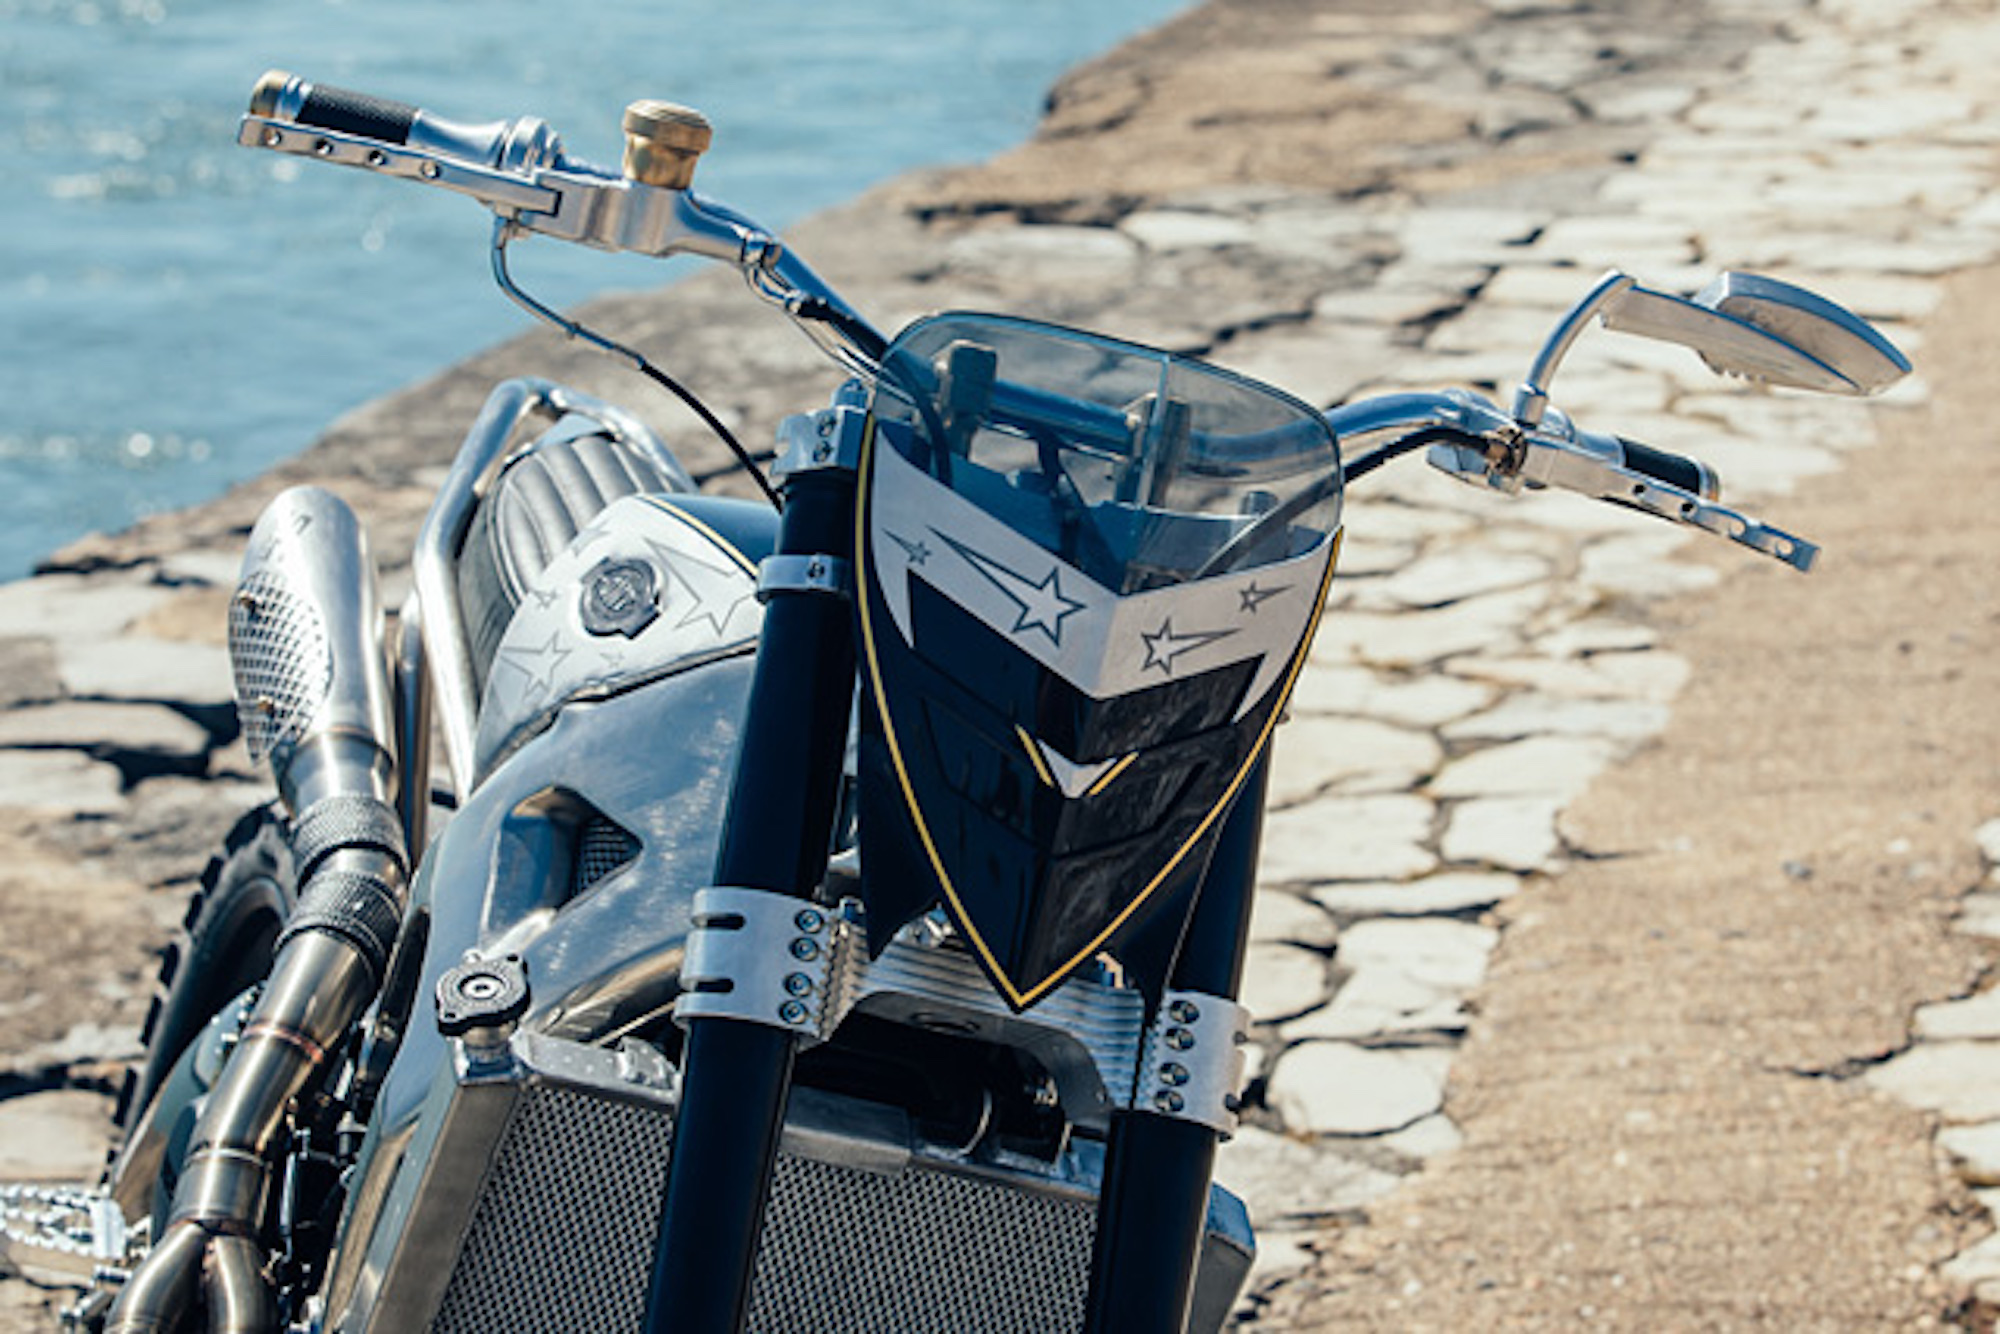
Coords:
pixel 837 905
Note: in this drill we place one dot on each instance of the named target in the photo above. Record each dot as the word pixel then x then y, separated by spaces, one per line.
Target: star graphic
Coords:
pixel 916 552
pixel 1042 602
pixel 713 592
pixel 1254 597
pixel 1042 606
pixel 1164 644
pixel 544 597
pixel 537 666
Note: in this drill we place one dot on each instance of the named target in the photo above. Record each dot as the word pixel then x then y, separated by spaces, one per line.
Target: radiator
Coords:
pixel 548 1177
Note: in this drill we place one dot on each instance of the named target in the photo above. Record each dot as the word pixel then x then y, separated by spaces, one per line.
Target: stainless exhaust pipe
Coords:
pixel 312 679
pixel 306 642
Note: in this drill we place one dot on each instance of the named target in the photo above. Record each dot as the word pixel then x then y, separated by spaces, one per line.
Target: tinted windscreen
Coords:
pixel 1138 467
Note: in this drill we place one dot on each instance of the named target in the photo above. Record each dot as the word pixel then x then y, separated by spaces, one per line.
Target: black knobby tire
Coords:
pixel 227 940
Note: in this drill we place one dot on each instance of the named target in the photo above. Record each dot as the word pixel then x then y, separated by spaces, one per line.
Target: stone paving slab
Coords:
pixel 97 726
pixel 1338 1088
pixel 53 1137
pixel 60 781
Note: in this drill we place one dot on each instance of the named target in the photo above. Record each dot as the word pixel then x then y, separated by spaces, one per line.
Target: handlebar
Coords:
pixel 517 146
pixel 285 96
pixel 517 168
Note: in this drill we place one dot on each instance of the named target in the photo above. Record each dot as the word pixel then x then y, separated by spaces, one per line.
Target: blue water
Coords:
pixel 177 313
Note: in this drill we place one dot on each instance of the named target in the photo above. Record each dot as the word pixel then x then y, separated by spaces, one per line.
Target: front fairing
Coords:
pixel 1089 572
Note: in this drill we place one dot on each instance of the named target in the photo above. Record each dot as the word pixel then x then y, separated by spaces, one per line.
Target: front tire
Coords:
pixel 226 944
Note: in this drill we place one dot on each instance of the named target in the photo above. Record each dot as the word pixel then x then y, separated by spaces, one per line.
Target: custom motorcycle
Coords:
pixel 837 905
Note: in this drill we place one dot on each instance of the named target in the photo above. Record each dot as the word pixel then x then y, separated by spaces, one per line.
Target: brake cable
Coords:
pixel 505 231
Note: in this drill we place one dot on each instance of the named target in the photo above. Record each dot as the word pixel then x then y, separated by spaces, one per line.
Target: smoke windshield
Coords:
pixel 1138 467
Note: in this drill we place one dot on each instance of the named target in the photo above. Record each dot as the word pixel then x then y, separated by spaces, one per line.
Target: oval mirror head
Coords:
pixel 1766 330
pixel 1835 337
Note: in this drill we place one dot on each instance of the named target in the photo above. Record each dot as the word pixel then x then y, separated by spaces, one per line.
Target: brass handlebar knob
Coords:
pixel 663 142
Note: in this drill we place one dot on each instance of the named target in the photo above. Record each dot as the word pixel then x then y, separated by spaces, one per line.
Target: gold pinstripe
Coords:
pixel 1035 755
pixel 1104 779
pixel 666 506
pixel 1019 998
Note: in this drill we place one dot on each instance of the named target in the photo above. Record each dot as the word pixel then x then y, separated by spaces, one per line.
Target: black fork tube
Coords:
pixel 736 1076
pixel 1157 1169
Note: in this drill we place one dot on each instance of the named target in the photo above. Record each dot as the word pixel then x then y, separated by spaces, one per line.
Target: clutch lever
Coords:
pixel 519 170
pixel 1669 486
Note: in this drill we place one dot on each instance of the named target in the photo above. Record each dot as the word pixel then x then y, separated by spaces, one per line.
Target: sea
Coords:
pixel 178 313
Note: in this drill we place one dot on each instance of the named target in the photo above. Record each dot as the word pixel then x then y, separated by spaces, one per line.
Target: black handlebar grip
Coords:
pixel 1676 470
pixel 348 112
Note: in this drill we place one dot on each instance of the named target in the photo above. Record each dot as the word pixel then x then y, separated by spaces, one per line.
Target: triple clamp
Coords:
pixel 813 441
pixel 763 957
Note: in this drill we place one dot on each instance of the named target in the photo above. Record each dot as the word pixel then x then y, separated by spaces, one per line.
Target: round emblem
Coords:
pixel 620 597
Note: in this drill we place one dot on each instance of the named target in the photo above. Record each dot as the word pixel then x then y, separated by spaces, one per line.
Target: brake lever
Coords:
pixel 1591 468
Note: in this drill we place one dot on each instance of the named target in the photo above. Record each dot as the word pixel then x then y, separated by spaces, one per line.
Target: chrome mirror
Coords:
pixel 1763 329
pixel 1740 324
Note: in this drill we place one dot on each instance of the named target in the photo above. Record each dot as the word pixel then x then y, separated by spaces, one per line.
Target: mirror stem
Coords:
pixel 1533 396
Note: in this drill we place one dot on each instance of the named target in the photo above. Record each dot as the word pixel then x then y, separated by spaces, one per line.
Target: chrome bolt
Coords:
pixel 792 1012
pixel 1169 1101
pixel 272 138
pixel 1171 1073
pixel 816 569
pixel 323 148
pixel 429 171
pixel 480 987
pixel 1183 1012
pixel 826 426
pixel 822 452
pixel 804 950
pixel 377 158
pixel 808 921
pixel 799 984
pixel 1179 1039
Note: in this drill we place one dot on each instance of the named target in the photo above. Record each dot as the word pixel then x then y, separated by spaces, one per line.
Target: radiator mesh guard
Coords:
pixel 562 1238
pixel 968 1255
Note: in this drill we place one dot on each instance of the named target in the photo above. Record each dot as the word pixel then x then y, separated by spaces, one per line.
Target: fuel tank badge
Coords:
pixel 620 596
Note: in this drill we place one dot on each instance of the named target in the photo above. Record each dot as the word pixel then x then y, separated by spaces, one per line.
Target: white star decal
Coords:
pixel 1253 597
pixel 1043 604
pixel 536 666
pixel 917 552
pixel 1164 645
